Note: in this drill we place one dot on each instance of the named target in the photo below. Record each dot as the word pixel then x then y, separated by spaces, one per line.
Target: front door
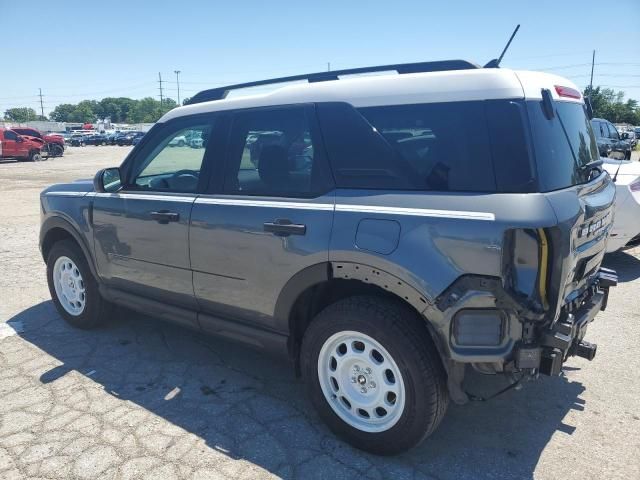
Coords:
pixel 142 232
pixel 267 219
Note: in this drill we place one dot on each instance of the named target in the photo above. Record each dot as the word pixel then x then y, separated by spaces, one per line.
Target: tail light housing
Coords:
pixel 567 92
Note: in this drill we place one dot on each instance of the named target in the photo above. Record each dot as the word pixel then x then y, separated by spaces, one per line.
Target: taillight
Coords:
pixel 567 92
pixel 635 185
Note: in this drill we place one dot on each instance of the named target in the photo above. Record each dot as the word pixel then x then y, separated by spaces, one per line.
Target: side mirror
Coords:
pixel 107 180
pixel 19 139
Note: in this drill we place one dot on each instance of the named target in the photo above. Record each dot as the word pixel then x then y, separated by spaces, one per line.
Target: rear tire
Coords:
pixel 373 374
pixel 73 288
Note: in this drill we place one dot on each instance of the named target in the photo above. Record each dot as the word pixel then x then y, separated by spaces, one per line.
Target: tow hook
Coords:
pixel 586 350
pixel 607 278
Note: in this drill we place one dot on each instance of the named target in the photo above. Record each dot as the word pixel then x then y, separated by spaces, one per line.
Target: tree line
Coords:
pixel 118 109
pixel 606 103
pixel 611 105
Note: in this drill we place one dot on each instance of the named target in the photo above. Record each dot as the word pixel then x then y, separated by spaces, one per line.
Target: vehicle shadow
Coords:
pixel 247 406
pixel 625 263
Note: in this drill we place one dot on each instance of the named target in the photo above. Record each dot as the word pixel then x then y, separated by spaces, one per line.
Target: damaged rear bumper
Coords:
pixel 565 337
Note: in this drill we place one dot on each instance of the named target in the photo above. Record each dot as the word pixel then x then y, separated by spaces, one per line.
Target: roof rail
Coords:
pixel 438 66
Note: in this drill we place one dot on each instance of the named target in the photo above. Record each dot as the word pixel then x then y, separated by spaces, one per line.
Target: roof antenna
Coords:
pixel 495 63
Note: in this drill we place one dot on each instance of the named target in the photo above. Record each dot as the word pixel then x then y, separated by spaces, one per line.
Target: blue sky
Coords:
pixel 88 50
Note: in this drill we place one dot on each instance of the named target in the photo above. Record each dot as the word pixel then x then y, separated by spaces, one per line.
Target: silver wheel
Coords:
pixel 69 286
pixel 361 381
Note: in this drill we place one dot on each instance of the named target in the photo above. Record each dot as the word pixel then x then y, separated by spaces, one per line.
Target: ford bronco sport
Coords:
pixel 393 230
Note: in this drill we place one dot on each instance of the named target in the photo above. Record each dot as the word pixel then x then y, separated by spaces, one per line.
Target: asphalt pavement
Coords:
pixel 142 399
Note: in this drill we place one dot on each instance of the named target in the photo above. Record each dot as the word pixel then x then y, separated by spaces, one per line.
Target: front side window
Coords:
pixel 272 153
pixel 175 163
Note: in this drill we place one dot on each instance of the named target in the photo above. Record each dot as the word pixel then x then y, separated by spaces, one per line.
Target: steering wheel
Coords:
pixel 184 172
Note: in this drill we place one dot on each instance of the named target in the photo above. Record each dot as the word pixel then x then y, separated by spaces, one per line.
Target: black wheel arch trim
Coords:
pixel 52 223
pixel 295 286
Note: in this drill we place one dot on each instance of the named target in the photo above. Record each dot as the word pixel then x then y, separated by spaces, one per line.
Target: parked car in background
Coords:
pixel 610 145
pixel 96 140
pixel 22 148
pixel 179 141
pixel 631 137
pixel 136 140
pixel 53 143
pixel 111 137
pixel 626 221
pixel 78 140
pixel 127 139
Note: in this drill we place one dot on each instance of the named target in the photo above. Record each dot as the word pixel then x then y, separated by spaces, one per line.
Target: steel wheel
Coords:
pixel 69 286
pixel 361 381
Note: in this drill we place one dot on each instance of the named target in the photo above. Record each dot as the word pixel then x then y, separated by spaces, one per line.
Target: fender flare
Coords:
pixel 61 223
pixel 326 271
pixel 301 281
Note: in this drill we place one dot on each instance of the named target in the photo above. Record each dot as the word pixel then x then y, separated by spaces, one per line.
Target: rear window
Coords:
pixel 562 145
pixel 461 146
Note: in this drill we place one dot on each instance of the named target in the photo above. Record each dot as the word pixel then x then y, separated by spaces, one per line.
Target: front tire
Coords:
pixel 373 374
pixel 73 288
pixel 35 156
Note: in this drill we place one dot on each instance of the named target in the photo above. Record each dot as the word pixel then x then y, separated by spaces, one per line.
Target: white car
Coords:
pixel 626 223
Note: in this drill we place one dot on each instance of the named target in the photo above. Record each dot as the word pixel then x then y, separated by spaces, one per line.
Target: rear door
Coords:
pixel 265 219
pixel 142 232
pixel 11 146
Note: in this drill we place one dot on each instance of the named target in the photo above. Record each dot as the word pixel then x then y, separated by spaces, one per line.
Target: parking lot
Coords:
pixel 143 399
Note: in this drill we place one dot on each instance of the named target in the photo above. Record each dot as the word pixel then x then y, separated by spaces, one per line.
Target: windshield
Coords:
pixel 563 145
pixel 27 131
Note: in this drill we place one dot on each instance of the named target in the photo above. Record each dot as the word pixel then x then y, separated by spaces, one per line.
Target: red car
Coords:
pixel 13 145
pixel 54 144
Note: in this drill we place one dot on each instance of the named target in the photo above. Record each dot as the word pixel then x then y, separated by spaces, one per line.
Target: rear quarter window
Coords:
pixel 563 144
pixel 476 146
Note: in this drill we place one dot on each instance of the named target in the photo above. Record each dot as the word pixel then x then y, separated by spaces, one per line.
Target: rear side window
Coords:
pixel 9 135
pixel 563 144
pixel 273 152
pixel 459 146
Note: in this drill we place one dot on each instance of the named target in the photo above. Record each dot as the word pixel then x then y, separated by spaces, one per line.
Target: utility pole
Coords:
pixel 328 66
pixel 177 72
pixel 160 82
pixel 593 61
pixel 41 104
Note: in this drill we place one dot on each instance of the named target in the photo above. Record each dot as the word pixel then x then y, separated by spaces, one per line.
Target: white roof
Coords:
pixel 378 90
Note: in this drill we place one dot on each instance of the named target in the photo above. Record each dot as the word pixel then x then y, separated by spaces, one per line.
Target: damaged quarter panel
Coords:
pixel 441 238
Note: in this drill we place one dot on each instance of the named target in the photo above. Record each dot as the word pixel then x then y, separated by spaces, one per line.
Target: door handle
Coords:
pixel 164 216
pixel 283 227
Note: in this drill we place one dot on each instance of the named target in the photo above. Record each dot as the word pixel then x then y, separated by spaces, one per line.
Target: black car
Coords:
pixel 78 140
pixel 609 142
pixel 112 137
pixel 96 140
pixel 127 139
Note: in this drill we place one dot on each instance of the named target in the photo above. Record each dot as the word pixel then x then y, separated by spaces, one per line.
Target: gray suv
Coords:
pixel 386 233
